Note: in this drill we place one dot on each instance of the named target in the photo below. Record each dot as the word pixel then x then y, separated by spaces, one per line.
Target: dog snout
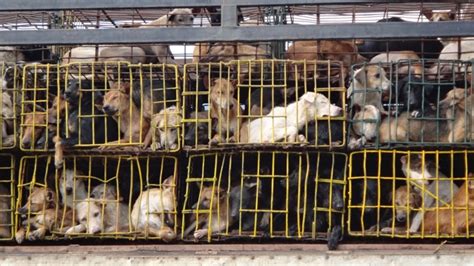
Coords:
pixel 401 218
pixel 68 190
pixel 23 210
pixel 26 142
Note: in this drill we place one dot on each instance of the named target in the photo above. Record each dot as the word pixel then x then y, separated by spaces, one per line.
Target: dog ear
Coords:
pixel 452 15
pixel 361 76
pixel 356 108
pixel 309 97
pixel 427 13
pixel 171 17
pixel 168 182
pixel 49 195
pixel 403 159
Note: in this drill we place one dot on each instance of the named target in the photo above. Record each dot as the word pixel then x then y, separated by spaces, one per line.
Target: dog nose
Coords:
pixel 26 143
pixel 68 191
pixel 231 105
pixel 23 210
pixel 401 219
pixel 106 108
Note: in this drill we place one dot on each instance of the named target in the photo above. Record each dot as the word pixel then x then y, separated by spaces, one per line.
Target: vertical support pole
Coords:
pixel 229 14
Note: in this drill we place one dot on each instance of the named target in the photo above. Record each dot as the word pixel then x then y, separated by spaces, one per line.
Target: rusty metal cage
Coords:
pixel 278 195
pixel 11 76
pixel 7 196
pixel 118 197
pixel 264 103
pixel 101 105
pixel 411 194
pixel 426 103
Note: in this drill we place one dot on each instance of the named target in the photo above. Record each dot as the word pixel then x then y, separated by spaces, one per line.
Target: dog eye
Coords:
pixel 162 129
pixel 377 76
pixel 173 129
pixel 83 219
pixel 96 214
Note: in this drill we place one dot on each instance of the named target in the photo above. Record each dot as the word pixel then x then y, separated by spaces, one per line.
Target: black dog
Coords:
pixel 428 48
pixel 199 129
pixel 80 93
pixel 324 136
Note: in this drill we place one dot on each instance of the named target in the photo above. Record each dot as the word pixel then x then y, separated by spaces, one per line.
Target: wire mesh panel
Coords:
pixel 105 105
pixel 264 195
pixel 9 87
pixel 264 103
pixel 411 194
pixel 7 196
pixel 119 197
pixel 412 102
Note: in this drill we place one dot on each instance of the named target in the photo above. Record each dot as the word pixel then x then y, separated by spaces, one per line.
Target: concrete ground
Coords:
pixel 245 254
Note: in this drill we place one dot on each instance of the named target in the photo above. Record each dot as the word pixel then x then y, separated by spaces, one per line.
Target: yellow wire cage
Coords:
pixel 102 105
pixel 264 194
pixel 11 76
pixel 251 103
pixel 411 194
pixel 105 197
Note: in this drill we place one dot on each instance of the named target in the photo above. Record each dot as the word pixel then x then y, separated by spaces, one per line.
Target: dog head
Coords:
pixel 70 185
pixel 12 77
pixel 105 192
pixel 197 127
pixel 180 17
pixel 40 198
pixel 89 214
pixel 33 128
pixel 167 123
pixel 210 197
pixel 72 91
pixel 222 92
pixel 117 100
pixel 320 104
pixel 439 16
pixel 373 77
pixel 405 201
pixel 455 97
pixel 417 168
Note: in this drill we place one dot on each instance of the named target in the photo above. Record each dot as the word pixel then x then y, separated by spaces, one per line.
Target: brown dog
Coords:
pixel 44 215
pixel 461 213
pixel 224 109
pixel 217 220
pixel 117 103
pixel 164 129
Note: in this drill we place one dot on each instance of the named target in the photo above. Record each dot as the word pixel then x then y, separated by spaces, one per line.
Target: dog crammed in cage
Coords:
pixel 164 129
pixel 157 53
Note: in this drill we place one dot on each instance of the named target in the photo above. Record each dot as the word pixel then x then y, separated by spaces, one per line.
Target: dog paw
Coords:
pixel 198 234
pixel 231 140
pixel 301 138
pixel 36 235
pixel 20 236
pixel 415 113
pixel 155 146
pixel 387 230
pixel 174 146
pixel 354 144
pixel 214 142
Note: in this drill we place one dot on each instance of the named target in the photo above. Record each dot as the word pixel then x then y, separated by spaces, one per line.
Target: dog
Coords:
pixel 457 108
pixel 224 110
pixel 164 130
pixel 217 220
pixel 323 132
pixel 245 197
pixel 426 48
pixel 440 189
pixel 368 86
pixel 82 102
pixel 440 221
pixel 116 212
pixel 5 213
pixel 401 58
pixel 262 101
pixel 197 129
pixel 285 122
pixel 44 215
pixel 8 116
pixel 118 105
pixel 71 187
pixel 365 123
pixel 343 51
pixel 153 211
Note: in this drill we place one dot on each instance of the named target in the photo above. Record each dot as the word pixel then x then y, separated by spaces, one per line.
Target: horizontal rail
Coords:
pixel 25 5
pixel 242 34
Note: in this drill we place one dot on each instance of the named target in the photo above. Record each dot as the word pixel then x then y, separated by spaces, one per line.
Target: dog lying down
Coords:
pixel 284 123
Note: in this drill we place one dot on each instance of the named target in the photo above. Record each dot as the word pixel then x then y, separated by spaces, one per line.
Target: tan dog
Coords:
pixel 8 114
pixel 456 106
pixel 33 129
pixel 218 219
pixel 224 108
pixel 153 211
pixel 344 51
pixel 116 212
pixel 44 215
pixel 461 213
pixel 117 103
pixel 365 124
pixel 71 187
pixel 370 83
pixel 396 56
pixel 164 129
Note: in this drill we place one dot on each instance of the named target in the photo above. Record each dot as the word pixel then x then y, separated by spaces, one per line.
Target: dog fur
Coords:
pixel 71 187
pixel 116 212
pixel 397 56
pixel 198 126
pixel 8 115
pixel 370 83
pixel 274 127
pixel 215 201
pixel 164 130
pixel 364 126
pixel 152 212
pixel 224 110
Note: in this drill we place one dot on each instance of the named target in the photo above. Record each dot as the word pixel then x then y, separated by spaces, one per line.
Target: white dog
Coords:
pixel 285 122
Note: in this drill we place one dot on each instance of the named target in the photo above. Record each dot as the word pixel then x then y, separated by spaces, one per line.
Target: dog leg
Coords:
pixel 200 233
pixel 215 140
pixel 8 140
pixel 148 138
pixel 165 233
pixel 58 152
pixel 37 234
pixel 20 235
pixel 415 224
pixel 80 228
